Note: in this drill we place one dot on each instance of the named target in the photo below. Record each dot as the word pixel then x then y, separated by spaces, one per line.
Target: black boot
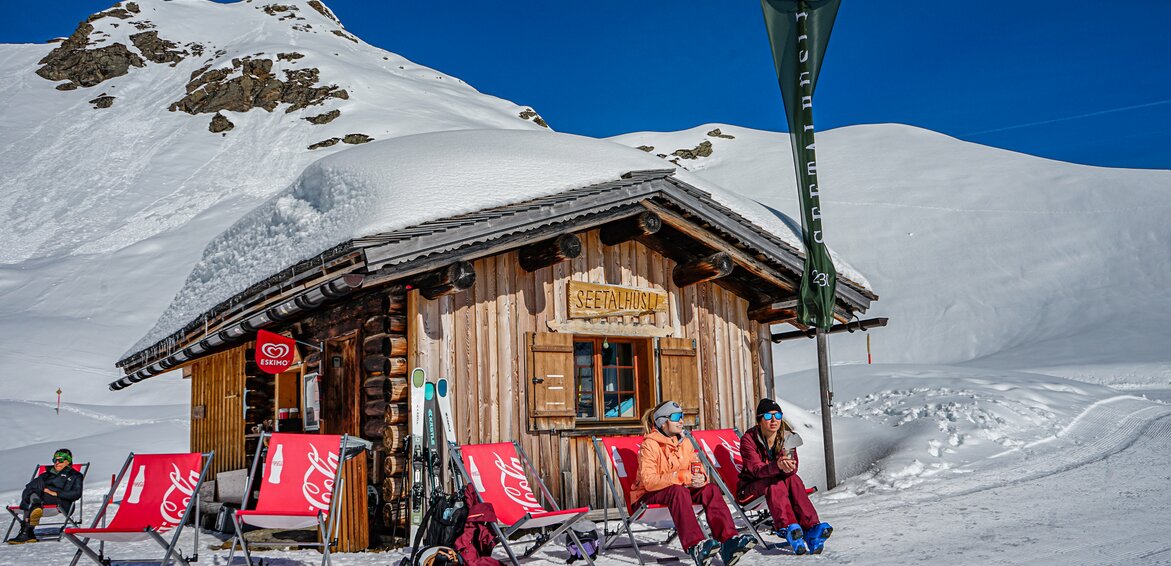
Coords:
pixel 25 535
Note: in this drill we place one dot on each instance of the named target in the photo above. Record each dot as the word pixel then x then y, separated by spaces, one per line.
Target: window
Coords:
pixel 606 377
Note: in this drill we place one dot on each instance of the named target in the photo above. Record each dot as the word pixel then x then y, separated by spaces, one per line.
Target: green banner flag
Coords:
pixel 799 32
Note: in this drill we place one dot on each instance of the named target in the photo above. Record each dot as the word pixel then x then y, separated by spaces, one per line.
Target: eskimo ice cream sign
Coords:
pixel 589 300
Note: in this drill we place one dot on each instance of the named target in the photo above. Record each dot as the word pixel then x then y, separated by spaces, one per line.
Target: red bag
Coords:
pixel 477 541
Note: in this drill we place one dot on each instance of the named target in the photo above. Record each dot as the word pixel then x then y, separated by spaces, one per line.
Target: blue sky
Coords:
pixel 1075 80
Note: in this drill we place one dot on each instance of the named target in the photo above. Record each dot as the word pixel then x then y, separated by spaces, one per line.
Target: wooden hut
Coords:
pixel 556 318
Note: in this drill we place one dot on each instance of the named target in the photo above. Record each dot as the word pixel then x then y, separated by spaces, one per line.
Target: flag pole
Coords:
pixel 827 397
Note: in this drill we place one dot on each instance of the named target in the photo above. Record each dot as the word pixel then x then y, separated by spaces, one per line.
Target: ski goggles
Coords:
pixel 772 415
pixel 675 417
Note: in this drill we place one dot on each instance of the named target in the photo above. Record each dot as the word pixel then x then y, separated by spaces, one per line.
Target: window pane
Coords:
pixel 625 354
pixel 626 379
pixel 608 355
pixel 585 405
pixel 585 379
pixel 610 379
pixel 618 405
pixel 583 354
pixel 626 406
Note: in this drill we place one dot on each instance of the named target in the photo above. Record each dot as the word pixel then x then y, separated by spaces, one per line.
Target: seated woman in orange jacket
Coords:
pixel 669 474
pixel 769 452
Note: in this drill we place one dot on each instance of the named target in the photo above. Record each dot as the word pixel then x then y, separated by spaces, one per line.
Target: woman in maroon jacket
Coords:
pixel 770 470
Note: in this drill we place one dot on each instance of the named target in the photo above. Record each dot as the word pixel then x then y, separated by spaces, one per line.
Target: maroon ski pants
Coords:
pixel 678 500
pixel 786 499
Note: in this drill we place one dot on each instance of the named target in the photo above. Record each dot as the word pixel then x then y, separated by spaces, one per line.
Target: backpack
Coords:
pixel 442 524
pixel 588 535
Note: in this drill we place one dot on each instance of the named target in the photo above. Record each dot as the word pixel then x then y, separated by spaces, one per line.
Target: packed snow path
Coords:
pixel 1095 493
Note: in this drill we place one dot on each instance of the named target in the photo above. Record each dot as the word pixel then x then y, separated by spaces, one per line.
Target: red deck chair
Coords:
pixel 500 473
pixel 161 491
pixel 68 520
pixel 719 450
pixel 621 452
pixel 301 487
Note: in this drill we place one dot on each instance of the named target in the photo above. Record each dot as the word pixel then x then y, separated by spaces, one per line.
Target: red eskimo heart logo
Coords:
pixel 274 353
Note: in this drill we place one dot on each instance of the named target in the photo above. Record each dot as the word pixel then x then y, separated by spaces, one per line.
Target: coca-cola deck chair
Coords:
pixel 621 454
pixel 719 450
pixel 301 488
pixel 160 493
pixel 500 473
pixel 67 519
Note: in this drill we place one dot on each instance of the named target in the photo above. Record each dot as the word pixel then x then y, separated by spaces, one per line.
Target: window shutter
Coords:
pixel 679 380
pixel 550 382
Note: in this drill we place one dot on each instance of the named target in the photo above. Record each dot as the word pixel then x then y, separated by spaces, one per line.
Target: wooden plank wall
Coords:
pixel 217 382
pixel 476 338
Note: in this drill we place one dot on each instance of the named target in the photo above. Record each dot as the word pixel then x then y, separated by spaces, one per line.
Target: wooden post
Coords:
pixel 548 252
pixel 827 428
pixel 628 229
pixel 703 269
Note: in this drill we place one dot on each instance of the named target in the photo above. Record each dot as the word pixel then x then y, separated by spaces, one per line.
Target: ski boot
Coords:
pixel 25 535
pixel 795 537
pixel 703 552
pixel 735 547
pixel 816 535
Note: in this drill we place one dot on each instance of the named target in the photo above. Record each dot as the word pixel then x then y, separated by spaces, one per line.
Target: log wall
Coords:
pixel 217 420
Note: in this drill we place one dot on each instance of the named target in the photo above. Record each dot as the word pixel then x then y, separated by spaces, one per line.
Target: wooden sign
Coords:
pixel 589 300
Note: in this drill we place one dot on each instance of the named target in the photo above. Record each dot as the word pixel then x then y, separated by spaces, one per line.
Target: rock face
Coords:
pixel 220 123
pixel 716 133
pixel 71 60
pixel 255 87
pixel 325 143
pixel 156 49
pixel 357 138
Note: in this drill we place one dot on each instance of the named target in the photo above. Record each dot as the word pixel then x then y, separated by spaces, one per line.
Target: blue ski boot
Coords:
pixel 816 535
pixel 735 547
pixel 795 537
pixel 703 552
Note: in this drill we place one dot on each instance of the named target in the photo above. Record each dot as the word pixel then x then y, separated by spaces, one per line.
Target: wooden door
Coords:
pixel 341 399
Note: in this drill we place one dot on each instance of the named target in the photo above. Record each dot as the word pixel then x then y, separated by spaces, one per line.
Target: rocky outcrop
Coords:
pixel 530 114
pixel 716 133
pixel 357 138
pixel 325 143
pixel 646 148
pixel 220 123
pixel 324 118
pixel 704 149
pixel 72 62
pixel 156 49
pixel 254 87
pixel 103 101
pixel 345 35
pixel 321 9
pixel 292 56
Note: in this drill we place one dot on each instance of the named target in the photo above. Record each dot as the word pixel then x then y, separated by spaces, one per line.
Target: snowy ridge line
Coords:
pixel 120 421
pixel 1082 445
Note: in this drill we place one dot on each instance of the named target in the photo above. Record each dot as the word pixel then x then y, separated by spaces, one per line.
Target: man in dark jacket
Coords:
pixel 59 485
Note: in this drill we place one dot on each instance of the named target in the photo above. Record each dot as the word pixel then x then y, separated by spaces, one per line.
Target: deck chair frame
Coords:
pixel 326 526
pixel 634 514
pixel 171 547
pixel 455 452
pixel 68 520
pixel 741 510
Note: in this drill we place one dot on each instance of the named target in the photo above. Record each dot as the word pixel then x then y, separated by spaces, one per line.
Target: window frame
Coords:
pixel 598 393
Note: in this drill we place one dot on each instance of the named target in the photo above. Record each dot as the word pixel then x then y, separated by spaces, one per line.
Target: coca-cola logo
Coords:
pixel 317 486
pixel 177 497
pixel 274 353
pixel 734 452
pixel 515 483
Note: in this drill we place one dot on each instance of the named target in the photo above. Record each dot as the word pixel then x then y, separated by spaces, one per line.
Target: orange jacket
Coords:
pixel 662 463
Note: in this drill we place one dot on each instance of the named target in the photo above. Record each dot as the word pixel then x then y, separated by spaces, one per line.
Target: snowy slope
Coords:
pixel 105 210
pixel 978 254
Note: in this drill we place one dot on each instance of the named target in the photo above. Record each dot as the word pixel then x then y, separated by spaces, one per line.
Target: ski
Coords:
pixel 431 442
pixel 443 389
pixel 418 381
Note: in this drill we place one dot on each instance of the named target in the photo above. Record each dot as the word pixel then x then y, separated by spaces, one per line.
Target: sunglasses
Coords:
pixel 59 460
pixel 675 417
pixel 773 415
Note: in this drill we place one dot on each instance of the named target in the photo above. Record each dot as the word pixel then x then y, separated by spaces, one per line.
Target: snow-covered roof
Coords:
pixel 389 185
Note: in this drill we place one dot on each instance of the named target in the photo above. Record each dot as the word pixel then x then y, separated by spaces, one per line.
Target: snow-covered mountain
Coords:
pixel 979 255
pixel 127 146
